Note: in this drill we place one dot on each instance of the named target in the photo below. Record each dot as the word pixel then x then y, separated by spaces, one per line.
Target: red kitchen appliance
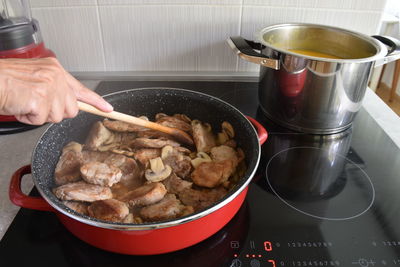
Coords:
pixel 19 38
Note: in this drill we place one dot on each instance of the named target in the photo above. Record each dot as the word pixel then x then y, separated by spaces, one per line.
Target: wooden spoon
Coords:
pixel 176 133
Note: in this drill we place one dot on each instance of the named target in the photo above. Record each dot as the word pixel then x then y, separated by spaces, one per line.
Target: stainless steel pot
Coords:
pixel 314 94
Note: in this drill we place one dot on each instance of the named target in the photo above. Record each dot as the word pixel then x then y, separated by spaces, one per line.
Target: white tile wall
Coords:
pixel 57 3
pixel 170 2
pixel 175 38
pixel 376 5
pixel 73 33
pixel 179 35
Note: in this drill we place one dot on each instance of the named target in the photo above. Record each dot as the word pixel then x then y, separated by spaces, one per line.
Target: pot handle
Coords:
pixel 246 50
pixel 19 198
pixel 393 51
pixel 261 131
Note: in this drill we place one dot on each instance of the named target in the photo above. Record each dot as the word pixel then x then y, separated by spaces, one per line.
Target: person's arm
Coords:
pixel 40 90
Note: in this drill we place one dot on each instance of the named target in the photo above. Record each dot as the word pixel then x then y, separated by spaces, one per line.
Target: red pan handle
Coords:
pixel 19 198
pixel 261 131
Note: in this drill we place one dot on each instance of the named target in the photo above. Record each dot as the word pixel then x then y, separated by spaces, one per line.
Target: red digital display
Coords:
pixel 273 263
pixel 268 246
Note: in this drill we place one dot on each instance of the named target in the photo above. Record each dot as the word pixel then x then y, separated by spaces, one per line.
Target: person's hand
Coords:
pixel 40 90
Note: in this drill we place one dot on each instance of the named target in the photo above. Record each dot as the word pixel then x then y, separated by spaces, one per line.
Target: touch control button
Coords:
pixel 236 263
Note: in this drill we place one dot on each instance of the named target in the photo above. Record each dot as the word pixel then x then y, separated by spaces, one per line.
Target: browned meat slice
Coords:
pixel 108 210
pixel 132 173
pixel 182 150
pixel 175 122
pixel 152 134
pixel 142 142
pixel 132 219
pixel 90 156
pixel 203 137
pixel 128 166
pixel 77 206
pixel 145 154
pixel 100 173
pixel 145 195
pixel 82 191
pixel 200 199
pixel 221 153
pixel 212 174
pixel 97 136
pixel 180 164
pixel 183 117
pixel 123 139
pixel 174 184
pixel 168 208
pixel 67 168
pixel 120 126
pixel 129 218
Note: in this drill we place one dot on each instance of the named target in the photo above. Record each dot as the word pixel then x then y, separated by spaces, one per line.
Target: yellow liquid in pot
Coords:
pixel 313 53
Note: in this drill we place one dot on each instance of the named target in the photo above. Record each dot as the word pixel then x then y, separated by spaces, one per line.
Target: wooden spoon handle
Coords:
pixel 125 117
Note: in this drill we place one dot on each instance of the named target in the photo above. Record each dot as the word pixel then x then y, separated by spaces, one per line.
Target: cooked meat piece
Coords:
pixel 67 168
pixel 120 126
pixel 123 139
pixel 180 164
pixel 160 115
pixel 119 161
pixel 145 195
pixel 183 117
pixel 117 141
pixel 108 210
pixel 174 184
pixel 240 155
pixel 152 134
pixel 123 152
pixel 91 156
pixel 97 136
pixel 202 136
pixel 100 173
pixel 212 174
pixel 221 153
pixel 128 166
pixel 175 122
pixel 132 173
pixel 168 208
pixel 200 199
pixel 145 154
pixel 132 219
pixel 152 143
pixel 231 143
pixel 182 150
pixel 79 207
pixel 129 219
pixel 82 191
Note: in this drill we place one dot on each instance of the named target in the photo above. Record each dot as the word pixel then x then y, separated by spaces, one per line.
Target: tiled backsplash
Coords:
pixel 179 35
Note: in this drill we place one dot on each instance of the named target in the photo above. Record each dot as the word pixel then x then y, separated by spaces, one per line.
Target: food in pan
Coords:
pixel 130 174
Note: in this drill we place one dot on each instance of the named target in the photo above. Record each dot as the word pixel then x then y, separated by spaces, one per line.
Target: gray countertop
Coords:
pixel 16 149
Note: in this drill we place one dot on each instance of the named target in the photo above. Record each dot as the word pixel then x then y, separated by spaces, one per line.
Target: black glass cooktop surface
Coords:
pixel 315 200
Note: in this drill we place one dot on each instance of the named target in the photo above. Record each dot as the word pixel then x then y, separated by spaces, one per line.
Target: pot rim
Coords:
pixel 163 224
pixel 381 49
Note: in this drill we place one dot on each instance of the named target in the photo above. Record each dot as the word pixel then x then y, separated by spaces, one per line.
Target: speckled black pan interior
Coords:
pixel 148 102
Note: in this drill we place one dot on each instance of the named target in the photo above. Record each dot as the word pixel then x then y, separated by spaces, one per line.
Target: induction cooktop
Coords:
pixel 315 200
